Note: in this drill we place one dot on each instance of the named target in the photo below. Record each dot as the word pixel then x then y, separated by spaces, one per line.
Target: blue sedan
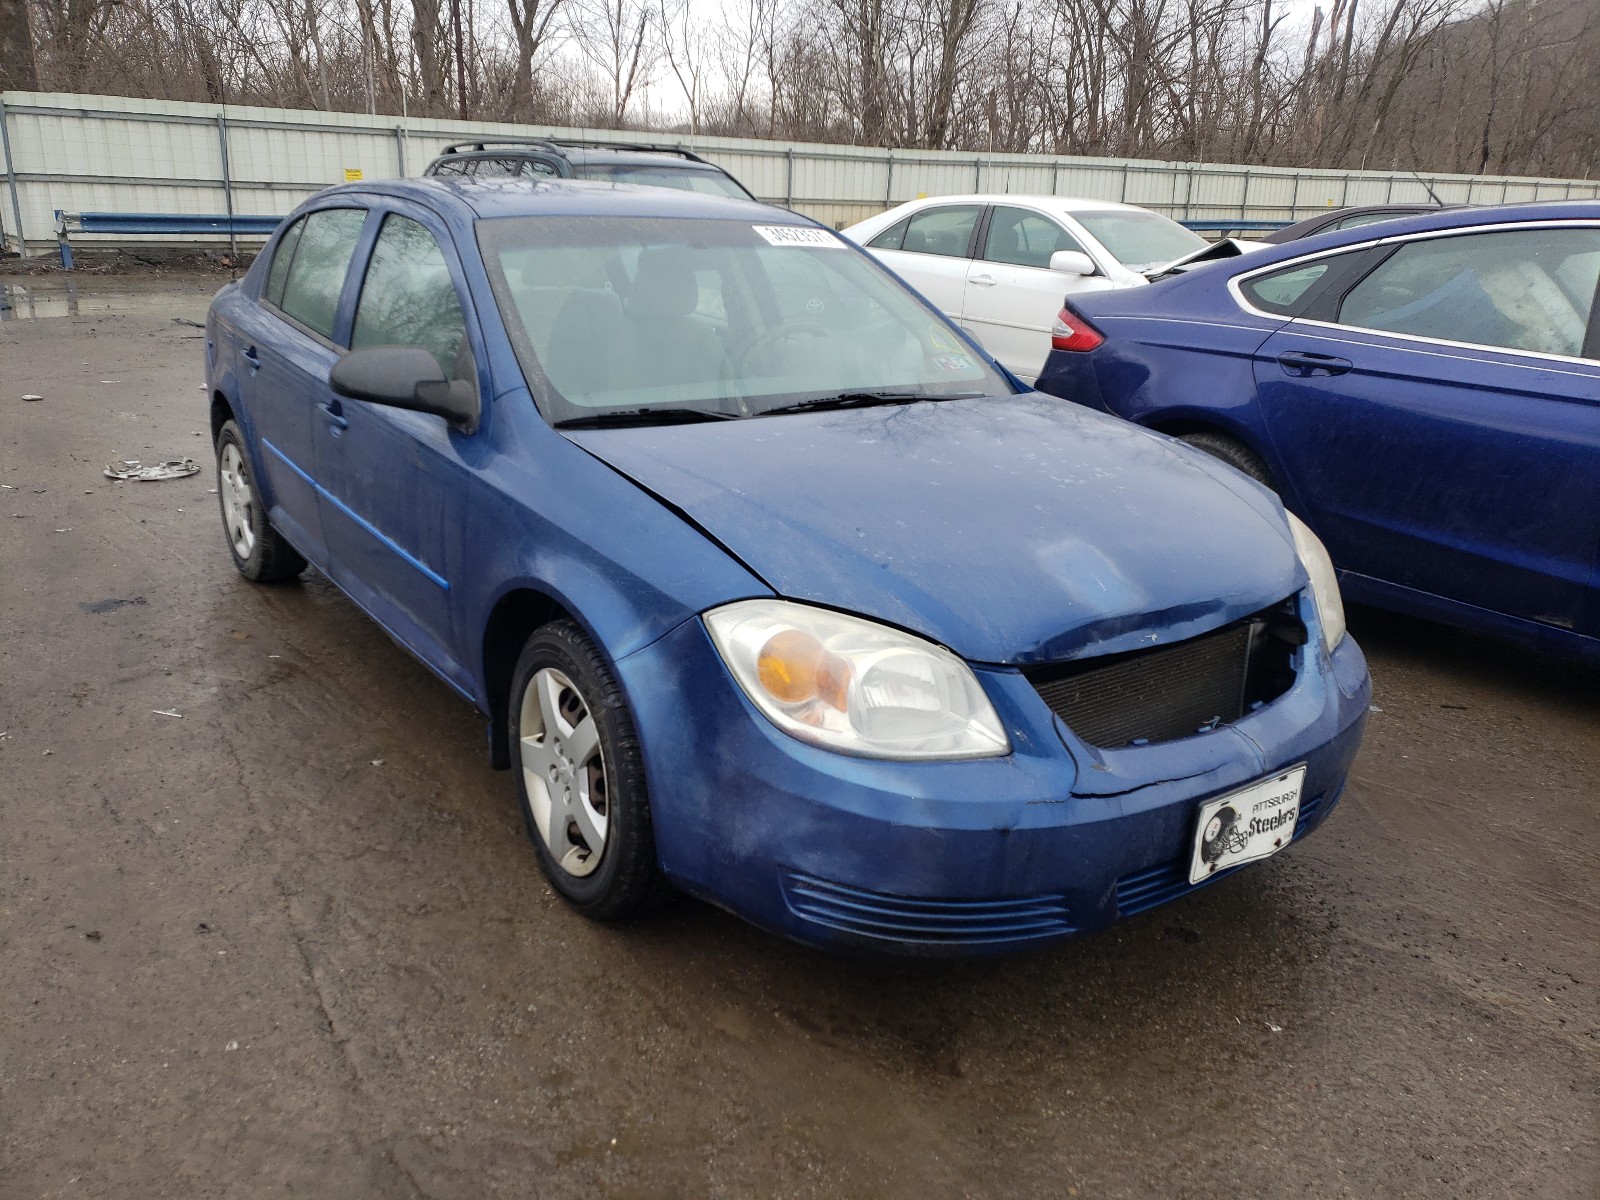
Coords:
pixel 772 587
pixel 1425 393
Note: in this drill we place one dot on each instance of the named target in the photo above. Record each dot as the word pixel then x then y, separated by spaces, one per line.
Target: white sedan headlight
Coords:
pixel 853 685
pixel 1324 583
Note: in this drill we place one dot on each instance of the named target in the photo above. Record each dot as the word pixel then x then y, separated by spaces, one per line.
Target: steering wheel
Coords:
pixel 766 338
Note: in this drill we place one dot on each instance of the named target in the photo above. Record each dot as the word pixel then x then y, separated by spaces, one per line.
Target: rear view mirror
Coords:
pixel 405 377
pixel 1072 262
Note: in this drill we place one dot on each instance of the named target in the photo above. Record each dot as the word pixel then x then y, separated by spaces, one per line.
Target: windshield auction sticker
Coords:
pixel 797 235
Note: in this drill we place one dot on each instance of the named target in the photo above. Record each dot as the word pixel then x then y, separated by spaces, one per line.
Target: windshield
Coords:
pixel 1139 240
pixel 685 179
pixel 622 314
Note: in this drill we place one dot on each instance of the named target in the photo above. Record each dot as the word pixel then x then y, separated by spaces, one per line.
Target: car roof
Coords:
pixel 1059 203
pixel 489 198
pixel 589 154
pixel 1436 220
pixel 1299 228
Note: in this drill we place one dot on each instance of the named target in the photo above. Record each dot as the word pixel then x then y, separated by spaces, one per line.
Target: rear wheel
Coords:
pixel 580 776
pixel 1233 452
pixel 258 550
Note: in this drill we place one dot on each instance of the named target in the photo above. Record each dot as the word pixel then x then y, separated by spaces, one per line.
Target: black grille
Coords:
pixel 1176 691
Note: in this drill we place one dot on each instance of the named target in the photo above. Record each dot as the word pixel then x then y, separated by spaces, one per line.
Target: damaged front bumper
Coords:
pixel 955 858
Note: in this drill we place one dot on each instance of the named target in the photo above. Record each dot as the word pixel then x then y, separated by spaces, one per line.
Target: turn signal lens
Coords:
pixel 1072 331
pixel 794 667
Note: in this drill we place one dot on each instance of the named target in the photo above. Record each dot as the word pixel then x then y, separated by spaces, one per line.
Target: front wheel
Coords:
pixel 580 776
pixel 258 550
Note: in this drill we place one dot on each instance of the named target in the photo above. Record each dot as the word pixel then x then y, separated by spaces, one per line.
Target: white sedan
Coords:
pixel 1001 265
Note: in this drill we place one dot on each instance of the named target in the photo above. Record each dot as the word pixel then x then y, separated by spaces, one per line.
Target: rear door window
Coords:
pixel 315 278
pixel 409 299
pixel 944 231
pixel 281 258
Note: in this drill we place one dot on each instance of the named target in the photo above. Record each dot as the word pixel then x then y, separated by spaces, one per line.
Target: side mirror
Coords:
pixel 405 377
pixel 1072 262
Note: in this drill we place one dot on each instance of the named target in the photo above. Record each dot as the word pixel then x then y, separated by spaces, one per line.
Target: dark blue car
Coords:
pixel 771 585
pixel 1425 393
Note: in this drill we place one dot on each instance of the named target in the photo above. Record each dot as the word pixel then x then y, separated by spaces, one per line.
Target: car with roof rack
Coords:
pixel 568 158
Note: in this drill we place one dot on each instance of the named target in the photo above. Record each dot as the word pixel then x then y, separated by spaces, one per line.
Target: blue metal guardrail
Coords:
pixel 1224 224
pixel 148 223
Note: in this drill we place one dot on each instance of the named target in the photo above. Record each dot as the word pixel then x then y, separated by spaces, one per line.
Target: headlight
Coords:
pixel 1324 583
pixel 855 686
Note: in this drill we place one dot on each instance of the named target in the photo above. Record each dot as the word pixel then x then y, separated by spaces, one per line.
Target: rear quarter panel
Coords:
pixel 1177 357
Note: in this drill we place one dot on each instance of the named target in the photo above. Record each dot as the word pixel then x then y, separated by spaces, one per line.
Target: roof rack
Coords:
pixel 560 145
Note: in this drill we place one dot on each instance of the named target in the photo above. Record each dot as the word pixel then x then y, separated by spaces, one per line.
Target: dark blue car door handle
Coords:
pixel 250 356
pixel 334 412
pixel 1302 363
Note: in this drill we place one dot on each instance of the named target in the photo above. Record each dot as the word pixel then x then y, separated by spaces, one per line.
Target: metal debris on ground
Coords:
pixel 173 468
pixel 166 712
pixel 33 396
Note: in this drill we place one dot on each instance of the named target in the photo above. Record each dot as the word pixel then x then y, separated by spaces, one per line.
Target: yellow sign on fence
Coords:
pixel 352 174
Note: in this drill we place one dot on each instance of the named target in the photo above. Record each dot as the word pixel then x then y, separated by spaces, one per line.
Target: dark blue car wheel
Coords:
pixel 258 550
pixel 1233 452
pixel 580 777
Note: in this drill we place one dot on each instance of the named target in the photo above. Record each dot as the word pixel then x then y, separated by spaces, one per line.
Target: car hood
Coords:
pixel 1012 530
pixel 1215 252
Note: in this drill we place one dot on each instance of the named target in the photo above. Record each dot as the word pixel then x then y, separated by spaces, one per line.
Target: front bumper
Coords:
pixel 954 858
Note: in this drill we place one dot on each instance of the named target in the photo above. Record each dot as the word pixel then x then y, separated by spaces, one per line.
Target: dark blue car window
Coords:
pixel 735 316
pixel 321 260
pixel 409 299
pixel 281 258
pixel 1525 289
pixel 1282 291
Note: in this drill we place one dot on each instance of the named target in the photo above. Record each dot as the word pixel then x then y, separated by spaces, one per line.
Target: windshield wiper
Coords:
pixel 863 400
pixel 644 416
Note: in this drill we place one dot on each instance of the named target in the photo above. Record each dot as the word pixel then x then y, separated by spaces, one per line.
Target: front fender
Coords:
pixel 552 522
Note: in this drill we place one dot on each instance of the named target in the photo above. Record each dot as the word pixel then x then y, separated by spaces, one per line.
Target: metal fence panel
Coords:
pixel 115 154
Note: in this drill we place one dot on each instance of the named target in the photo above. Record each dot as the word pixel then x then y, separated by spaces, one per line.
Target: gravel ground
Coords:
pixel 293 942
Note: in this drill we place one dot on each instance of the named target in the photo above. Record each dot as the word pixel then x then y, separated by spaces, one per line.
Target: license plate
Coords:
pixel 1248 824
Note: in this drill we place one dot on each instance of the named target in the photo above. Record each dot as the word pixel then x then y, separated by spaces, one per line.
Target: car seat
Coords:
pixel 590 350
pixel 672 346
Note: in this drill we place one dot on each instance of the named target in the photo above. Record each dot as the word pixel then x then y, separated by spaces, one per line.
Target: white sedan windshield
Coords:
pixel 729 318
pixel 1140 240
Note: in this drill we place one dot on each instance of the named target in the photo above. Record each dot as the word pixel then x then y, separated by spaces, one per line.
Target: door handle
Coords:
pixel 334 412
pixel 982 280
pixel 1305 363
pixel 251 357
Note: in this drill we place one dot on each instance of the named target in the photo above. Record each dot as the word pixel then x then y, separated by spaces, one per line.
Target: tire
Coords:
pixel 258 550
pixel 586 784
pixel 1233 452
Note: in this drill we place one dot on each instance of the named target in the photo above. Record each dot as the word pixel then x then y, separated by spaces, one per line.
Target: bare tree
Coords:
pixel 684 45
pixel 16 47
pixel 1432 85
pixel 620 38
